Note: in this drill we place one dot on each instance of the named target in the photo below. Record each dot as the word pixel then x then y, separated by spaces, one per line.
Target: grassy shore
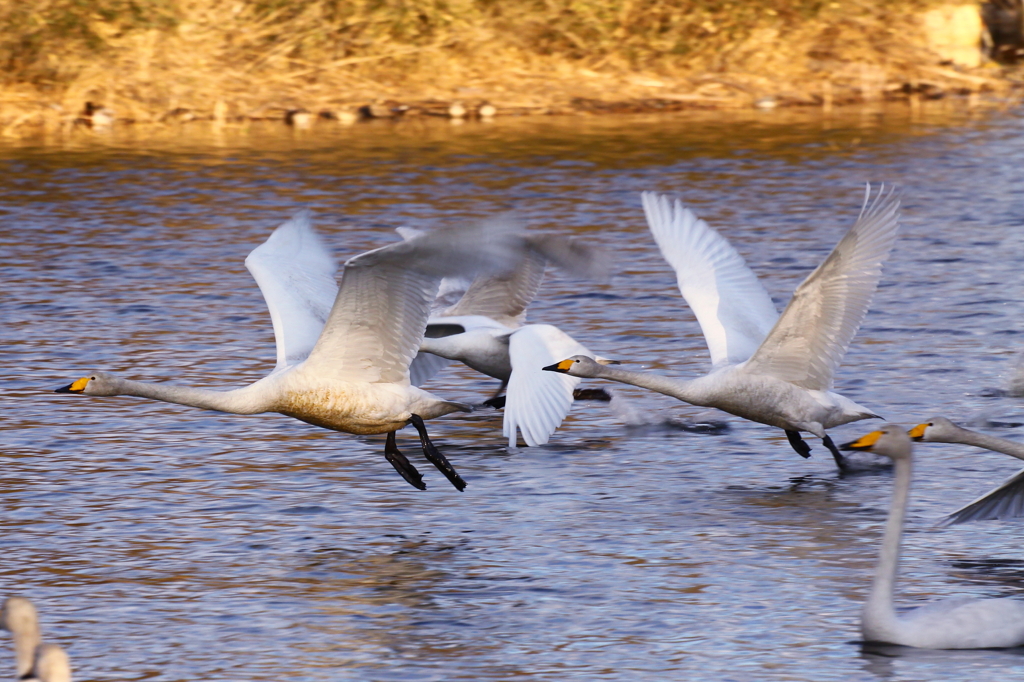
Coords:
pixel 179 60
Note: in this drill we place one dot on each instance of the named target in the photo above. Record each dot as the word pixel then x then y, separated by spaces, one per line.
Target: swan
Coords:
pixel 1004 502
pixel 346 367
pixel 34 660
pixel 947 624
pixel 485 330
pixel 771 369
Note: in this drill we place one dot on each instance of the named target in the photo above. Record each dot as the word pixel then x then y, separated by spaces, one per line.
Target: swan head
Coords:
pixel 580 366
pixel 936 429
pixel 18 616
pixel 97 383
pixel 891 440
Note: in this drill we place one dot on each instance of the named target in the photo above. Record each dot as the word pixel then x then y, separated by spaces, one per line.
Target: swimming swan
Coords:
pixel 485 330
pixel 346 368
pixel 771 369
pixel 1003 502
pixel 947 624
pixel 35 661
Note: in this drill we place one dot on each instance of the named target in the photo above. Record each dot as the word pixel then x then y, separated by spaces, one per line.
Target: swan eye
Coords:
pixel 92 378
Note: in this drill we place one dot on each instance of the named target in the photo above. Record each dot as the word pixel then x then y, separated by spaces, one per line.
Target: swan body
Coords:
pixel 948 624
pixel 34 661
pixel 345 366
pixel 485 330
pixel 772 369
pixel 1005 501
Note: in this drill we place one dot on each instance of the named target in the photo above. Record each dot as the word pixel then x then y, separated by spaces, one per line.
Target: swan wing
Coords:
pixel 536 401
pixel 733 309
pixel 503 298
pixel 424 366
pixel 451 288
pixel 381 310
pixel 811 337
pixel 1004 502
pixel 295 273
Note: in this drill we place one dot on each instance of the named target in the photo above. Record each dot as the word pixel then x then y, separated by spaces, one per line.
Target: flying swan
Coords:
pixel 486 330
pixel 771 369
pixel 948 624
pixel 1005 501
pixel 346 367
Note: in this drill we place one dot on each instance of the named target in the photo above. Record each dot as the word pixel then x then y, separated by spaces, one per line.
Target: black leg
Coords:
pixel 501 389
pixel 401 463
pixel 798 443
pixel 435 456
pixel 836 455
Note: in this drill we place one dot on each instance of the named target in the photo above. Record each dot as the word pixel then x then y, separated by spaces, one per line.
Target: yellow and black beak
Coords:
pixel 864 442
pixel 917 433
pixel 74 387
pixel 561 367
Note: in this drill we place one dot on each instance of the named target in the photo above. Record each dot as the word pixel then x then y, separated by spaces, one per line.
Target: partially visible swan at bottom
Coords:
pixel 346 367
pixel 772 369
pixel 947 624
pixel 34 660
pixel 1003 502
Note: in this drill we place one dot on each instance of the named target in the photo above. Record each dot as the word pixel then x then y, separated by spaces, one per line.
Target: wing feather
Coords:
pixel 380 313
pixel 811 337
pixel 503 298
pixel 733 309
pixel 295 273
pixel 1004 502
pixel 537 401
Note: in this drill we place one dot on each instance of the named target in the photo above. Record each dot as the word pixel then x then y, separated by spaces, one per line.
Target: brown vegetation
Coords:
pixel 160 60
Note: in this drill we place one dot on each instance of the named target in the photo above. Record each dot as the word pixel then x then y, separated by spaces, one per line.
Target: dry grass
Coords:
pixel 255 58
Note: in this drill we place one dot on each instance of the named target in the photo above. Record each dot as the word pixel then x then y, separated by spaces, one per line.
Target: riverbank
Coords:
pixel 171 61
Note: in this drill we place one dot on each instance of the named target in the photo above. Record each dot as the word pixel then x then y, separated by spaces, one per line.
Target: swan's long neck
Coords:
pixel 248 400
pixel 1007 447
pixel 677 388
pixel 880 609
pixel 25 644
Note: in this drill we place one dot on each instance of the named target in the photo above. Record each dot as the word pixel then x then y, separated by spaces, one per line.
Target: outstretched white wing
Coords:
pixel 733 309
pixel 1005 502
pixel 811 337
pixel 503 298
pixel 295 272
pixel 381 310
pixel 536 401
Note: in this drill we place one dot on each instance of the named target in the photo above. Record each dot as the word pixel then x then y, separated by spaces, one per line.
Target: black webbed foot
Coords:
pixel 434 455
pixel 496 402
pixel 836 455
pixel 798 443
pixel 402 464
pixel 591 394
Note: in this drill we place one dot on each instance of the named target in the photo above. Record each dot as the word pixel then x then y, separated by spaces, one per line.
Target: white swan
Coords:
pixel 946 624
pixel 772 369
pixel 1004 502
pixel 34 660
pixel 485 330
pixel 351 373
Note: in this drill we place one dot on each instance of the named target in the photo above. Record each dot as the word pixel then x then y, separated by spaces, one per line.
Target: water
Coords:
pixel 161 542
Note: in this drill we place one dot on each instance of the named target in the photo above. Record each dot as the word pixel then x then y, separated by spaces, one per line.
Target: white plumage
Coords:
pixel 347 369
pixel 485 329
pixel 1003 502
pixel 947 624
pixel 772 369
